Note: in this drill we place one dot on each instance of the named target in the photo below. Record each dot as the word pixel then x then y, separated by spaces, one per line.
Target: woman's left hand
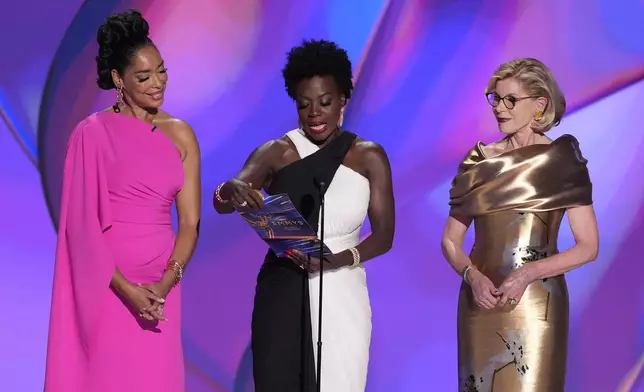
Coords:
pixel 160 290
pixel 514 285
pixel 311 263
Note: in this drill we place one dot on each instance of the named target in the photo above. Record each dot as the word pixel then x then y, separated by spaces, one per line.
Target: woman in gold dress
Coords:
pixel 513 303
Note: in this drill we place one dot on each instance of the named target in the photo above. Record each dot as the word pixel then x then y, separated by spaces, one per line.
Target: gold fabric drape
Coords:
pixel 517 200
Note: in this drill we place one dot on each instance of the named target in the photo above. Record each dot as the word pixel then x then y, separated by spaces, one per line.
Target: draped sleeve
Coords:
pixel 84 265
pixel 534 178
pixel 473 157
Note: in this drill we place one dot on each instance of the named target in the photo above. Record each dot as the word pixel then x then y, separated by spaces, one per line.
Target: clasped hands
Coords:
pixel 312 264
pixel 487 296
pixel 148 300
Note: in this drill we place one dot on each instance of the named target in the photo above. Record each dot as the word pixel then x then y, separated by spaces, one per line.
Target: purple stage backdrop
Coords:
pixel 421 68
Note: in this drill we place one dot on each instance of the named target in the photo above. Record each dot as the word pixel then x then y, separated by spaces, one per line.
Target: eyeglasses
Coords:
pixel 509 100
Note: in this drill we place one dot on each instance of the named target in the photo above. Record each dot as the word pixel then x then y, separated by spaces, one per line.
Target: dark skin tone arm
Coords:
pixel 256 171
pixel 188 204
pixel 381 205
pixel 367 158
pixel 370 160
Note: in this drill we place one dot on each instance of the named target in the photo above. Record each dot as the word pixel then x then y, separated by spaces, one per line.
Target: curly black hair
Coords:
pixel 119 37
pixel 318 58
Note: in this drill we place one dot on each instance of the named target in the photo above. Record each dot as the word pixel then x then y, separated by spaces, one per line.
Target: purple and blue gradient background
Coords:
pixel 421 67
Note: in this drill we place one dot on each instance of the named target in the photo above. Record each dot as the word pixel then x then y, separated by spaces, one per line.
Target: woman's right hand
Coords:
pixel 486 295
pixel 141 300
pixel 242 195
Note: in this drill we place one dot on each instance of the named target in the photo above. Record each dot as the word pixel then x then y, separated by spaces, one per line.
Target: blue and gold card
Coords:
pixel 282 227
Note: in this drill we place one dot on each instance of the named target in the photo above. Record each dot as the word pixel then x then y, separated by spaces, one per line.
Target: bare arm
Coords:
pixel 120 282
pixel 382 215
pixel 255 171
pixel 584 228
pixel 188 202
pixel 452 242
pixel 485 294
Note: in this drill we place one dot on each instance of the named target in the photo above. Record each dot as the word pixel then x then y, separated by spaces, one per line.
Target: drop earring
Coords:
pixel 119 99
pixel 341 119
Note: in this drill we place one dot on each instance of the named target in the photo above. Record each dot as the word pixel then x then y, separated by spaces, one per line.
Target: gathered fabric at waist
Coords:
pixel 152 214
pixel 140 251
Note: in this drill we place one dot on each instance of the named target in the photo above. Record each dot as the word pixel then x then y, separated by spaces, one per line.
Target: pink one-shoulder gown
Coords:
pixel 121 178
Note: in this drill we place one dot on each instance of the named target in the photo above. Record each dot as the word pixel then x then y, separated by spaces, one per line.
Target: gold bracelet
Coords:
pixel 177 268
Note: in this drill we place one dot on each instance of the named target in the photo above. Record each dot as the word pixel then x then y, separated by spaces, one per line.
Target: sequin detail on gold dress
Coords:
pixel 517 200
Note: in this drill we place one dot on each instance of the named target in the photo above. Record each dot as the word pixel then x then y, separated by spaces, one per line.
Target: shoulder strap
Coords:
pixel 328 159
pixel 303 145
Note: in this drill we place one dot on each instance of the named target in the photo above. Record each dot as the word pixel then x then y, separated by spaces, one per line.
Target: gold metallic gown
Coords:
pixel 517 200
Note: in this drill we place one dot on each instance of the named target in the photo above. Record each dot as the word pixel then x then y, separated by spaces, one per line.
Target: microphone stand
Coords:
pixel 322 185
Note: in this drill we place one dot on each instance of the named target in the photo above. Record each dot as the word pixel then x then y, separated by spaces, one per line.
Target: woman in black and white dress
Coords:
pixel 318 77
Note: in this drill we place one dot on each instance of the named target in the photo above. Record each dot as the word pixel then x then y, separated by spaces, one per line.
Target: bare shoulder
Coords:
pixel 371 159
pixel 269 151
pixel 370 152
pixel 277 149
pixel 179 131
pixel 275 146
pixel 283 143
pixel 178 127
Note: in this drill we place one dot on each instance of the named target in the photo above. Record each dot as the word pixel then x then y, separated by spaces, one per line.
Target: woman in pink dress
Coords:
pixel 116 307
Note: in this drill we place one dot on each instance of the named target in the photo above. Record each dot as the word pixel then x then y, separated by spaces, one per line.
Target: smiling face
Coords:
pixel 513 107
pixel 319 105
pixel 144 80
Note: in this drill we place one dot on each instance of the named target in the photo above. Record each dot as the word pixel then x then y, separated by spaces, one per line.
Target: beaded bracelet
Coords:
pixel 218 193
pixel 356 256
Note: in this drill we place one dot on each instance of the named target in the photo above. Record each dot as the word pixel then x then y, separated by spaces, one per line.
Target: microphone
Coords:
pixel 321 185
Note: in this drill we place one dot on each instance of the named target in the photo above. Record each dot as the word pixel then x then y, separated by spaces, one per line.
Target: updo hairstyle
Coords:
pixel 119 38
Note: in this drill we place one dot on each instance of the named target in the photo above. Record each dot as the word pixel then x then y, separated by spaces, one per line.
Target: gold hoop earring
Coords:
pixel 341 119
pixel 538 115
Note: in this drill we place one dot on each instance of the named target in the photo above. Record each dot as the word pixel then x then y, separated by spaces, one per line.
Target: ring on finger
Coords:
pixel 512 301
pixel 244 204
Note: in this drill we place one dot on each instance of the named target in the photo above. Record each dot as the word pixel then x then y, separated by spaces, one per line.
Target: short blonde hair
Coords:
pixel 538 81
